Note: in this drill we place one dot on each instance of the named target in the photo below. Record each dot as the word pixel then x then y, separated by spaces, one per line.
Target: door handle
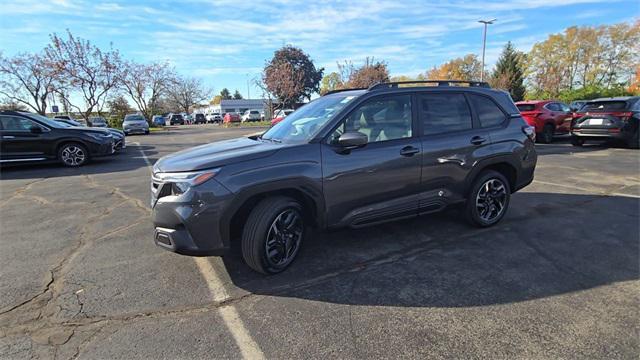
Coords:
pixel 8 137
pixel 477 140
pixel 409 151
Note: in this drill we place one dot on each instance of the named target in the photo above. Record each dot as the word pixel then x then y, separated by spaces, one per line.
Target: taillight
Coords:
pixel 625 116
pixel 530 131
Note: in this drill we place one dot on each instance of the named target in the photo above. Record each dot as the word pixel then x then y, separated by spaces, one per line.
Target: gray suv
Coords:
pixel 135 124
pixel 351 158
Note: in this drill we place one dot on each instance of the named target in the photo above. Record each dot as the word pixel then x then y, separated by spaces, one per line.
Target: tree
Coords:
pixel 84 69
pixel 28 79
pixel 508 73
pixel 13 106
pixel 291 75
pixel 146 84
pixel 464 68
pixel 371 73
pixel 118 107
pixel 590 57
pixel 237 95
pixel 330 82
pixel 186 92
pixel 225 94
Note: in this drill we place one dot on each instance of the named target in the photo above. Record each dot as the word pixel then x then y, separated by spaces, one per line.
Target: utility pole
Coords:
pixel 248 92
pixel 484 43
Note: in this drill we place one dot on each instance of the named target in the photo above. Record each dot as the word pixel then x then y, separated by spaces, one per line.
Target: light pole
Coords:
pixel 484 43
pixel 248 92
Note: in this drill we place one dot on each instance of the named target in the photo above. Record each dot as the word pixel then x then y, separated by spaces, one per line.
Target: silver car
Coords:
pixel 98 121
pixel 135 124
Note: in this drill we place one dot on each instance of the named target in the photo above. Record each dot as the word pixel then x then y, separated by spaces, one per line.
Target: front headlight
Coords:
pixel 183 181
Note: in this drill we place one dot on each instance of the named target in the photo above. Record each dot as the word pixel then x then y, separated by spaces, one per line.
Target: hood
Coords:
pixel 215 154
pixel 88 130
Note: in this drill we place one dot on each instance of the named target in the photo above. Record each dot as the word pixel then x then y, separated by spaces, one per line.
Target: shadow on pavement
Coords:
pixel 547 245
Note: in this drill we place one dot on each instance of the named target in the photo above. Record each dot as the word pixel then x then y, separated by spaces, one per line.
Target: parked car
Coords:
pixel 158 120
pixel 119 142
pixel 199 119
pixel 188 119
pixel 576 105
pixel 231 118
pixel 608 119
pixel 250 115
pixel 348 159
pixel 214 118
pixel 280 115
pixel 135 124
pixel 549 117
pixel 98 121
pixel 176 119
pixel 30 138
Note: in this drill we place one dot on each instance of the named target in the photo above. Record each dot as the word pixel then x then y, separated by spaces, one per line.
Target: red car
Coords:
pixel 280 115
pixel 231 118
pixel 549 117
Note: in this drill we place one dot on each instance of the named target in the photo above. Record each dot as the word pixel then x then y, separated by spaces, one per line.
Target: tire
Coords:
pixel 577 141
pixel 258 229
pixel 73 154
pixel 147 132
pixel 478 217
pixel 546 136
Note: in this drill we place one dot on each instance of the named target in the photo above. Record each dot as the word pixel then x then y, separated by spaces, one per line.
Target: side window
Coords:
pixel 488 112
pixel 443 113
pixel 14 123
pixel 381 118
pixel 564 107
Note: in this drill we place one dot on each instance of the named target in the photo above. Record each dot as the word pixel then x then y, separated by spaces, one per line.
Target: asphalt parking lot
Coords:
pixel 558 278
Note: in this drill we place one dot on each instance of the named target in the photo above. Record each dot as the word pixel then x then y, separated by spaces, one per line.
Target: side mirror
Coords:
pixel 35 130
pixel 353 139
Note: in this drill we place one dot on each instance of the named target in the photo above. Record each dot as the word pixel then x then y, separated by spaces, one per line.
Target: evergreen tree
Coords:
pixel 237 95
pixel 508 73
pixel 225 94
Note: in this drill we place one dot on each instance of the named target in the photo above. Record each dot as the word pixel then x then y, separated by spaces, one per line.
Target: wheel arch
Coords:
pixel 503 165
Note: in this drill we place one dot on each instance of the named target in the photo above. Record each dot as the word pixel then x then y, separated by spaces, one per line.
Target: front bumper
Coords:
pixel 102 149
pixel 136 130
pixel 190 223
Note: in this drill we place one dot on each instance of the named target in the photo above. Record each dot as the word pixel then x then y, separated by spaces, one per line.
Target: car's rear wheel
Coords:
pixel 488 199
pixel 73 154
pixel 273 234
pixel 577 141
pixel 546 136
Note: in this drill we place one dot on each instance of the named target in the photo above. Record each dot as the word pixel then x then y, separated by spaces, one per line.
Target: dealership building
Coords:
pixel 234 106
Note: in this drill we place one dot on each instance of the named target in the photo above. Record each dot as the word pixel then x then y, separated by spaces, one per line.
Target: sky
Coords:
pixel 227 42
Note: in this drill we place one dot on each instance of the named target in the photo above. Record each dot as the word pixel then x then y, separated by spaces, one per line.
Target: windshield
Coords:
pixel 97 120
pixel 133 118
pixel 604 106
pixel 45 120
pixel 304 123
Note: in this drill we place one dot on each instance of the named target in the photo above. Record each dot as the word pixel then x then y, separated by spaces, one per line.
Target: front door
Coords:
pixel 18 142
pixel 379 180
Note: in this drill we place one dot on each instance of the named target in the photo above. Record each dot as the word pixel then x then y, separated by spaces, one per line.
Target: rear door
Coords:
pixel 452 141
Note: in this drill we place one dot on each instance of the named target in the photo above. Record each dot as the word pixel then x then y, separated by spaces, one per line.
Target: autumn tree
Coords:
pixel 237 95
pixel 186 92
pixel 29 80
pixel 584 57
pixel 146 84
pixel 291 75
pixel 370 73
pixel 84 69
pixel 508 74
pixel 330 82
pixel 465 68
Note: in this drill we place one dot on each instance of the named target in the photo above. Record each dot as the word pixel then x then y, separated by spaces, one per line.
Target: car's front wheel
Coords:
pixel 273 234
pixel 488 199
pixel 73 155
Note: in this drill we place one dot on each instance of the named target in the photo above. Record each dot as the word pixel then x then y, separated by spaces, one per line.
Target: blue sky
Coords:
pixel 227 42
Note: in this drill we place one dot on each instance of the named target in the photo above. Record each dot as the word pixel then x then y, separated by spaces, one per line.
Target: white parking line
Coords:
pixel 248 347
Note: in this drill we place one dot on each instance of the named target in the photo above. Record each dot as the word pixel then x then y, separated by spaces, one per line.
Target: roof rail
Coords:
pixel 341 90
pixel 395 84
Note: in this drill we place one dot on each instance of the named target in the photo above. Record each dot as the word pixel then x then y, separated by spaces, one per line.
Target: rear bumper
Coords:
pixel 610 133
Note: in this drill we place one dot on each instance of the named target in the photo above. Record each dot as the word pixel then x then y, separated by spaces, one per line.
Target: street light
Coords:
pixel 484 43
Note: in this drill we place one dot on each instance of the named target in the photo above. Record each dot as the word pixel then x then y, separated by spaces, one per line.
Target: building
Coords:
pixel 235 106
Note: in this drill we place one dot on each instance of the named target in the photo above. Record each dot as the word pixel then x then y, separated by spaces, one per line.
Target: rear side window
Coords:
pixel 487 111
pixel 526 107
pixel 443 113
pixel 605 106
